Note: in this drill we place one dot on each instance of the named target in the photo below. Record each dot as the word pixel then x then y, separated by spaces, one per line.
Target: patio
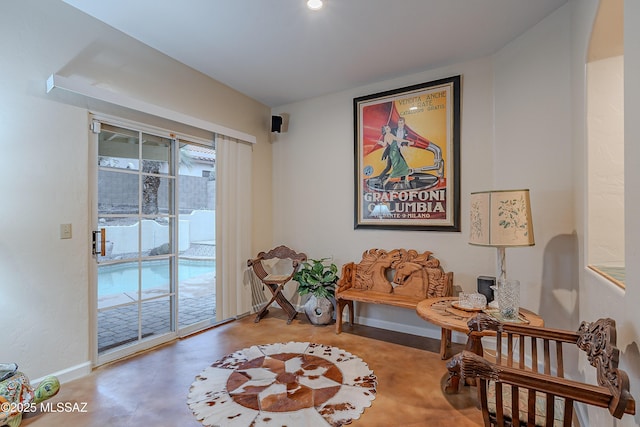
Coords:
pixel 119 326
pixel 197 302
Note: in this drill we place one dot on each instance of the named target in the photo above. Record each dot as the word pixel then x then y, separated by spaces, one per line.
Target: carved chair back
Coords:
pixel 527 381
pixel 266 273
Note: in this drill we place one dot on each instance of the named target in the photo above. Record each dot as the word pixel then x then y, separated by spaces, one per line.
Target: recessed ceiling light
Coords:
pixel 314 4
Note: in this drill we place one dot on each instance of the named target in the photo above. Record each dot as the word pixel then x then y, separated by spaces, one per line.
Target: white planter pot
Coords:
pixel 319 310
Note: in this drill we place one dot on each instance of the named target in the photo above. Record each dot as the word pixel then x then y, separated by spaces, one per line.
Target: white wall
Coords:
pixel 532 150
pixel 44 281
pixel 314 195
pixel 524 144
pixel 605 166
pixel 599 297
pixel 523 126
pixel 628 315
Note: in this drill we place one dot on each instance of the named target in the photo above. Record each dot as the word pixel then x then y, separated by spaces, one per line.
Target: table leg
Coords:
pixel 474 344
pixel 445 342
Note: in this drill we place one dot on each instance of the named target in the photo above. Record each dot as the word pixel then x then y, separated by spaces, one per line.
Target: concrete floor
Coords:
pixel 150 389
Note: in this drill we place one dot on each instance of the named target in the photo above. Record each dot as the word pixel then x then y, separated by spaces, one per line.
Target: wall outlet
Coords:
pixel 65 231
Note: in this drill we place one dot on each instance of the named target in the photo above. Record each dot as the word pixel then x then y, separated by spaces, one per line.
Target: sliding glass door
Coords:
pixel 153 245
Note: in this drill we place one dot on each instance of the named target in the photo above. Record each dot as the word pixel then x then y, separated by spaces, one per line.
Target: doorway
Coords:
pixel 154 244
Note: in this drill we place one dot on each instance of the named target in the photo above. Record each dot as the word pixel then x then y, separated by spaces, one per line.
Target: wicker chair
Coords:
pixel 275 282
pixel 529 385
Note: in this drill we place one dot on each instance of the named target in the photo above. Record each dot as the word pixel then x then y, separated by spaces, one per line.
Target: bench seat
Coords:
pixel 373 297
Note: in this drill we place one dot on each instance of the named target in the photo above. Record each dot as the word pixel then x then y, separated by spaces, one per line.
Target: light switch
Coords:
pixel 65 231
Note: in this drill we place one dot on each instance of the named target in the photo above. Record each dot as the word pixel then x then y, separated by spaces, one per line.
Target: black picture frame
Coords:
pixel 408 177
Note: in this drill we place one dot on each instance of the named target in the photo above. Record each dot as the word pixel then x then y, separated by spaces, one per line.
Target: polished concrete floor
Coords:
pixel 150 389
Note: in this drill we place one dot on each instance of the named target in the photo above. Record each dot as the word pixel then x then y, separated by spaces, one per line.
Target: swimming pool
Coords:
pixel 121 278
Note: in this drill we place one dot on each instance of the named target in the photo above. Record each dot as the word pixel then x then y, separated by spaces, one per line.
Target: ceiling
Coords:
pixel 278 51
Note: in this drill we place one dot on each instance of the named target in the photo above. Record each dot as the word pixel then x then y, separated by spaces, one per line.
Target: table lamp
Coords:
pixel 501 219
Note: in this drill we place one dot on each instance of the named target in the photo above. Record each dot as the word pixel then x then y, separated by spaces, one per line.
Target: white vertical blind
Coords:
pixel 233 241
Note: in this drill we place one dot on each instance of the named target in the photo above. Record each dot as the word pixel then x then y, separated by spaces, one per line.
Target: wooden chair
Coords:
pixel 275 282
pixel 529 385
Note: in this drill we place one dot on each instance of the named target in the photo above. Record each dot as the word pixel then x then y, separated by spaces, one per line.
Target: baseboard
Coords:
pixel 69 374
pixel 429 331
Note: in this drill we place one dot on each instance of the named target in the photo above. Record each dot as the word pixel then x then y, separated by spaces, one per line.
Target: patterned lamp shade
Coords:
pixel 501 219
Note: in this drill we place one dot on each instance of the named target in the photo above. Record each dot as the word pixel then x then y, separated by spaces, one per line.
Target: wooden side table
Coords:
pixel 440 312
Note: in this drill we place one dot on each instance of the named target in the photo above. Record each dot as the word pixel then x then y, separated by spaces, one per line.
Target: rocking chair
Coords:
pixel 275 282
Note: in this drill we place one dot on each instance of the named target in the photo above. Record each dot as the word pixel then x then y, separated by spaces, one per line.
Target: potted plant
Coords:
pixel 318 279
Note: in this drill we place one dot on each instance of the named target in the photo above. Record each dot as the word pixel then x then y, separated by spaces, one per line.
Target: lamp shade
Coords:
pixel 501 218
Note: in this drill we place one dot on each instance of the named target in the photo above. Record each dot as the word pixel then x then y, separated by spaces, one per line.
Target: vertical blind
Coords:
pixel 233 229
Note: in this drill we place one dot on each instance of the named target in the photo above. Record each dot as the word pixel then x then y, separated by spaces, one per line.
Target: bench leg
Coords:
pixel 351 313
pixel 341 305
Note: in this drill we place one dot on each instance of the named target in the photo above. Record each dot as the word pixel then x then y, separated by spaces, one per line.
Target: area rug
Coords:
pixel 284 384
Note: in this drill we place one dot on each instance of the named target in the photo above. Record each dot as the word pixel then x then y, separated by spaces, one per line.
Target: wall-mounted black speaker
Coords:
pixel 484 286
pixel 276 124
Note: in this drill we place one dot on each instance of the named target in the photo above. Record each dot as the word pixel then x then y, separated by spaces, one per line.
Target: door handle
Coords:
pixel 103 242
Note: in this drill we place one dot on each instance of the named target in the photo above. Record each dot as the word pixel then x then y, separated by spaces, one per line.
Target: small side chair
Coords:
pixel 275 282
pixel 528 384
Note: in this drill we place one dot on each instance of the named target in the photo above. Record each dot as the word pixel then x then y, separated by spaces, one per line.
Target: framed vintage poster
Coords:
pixel 407 157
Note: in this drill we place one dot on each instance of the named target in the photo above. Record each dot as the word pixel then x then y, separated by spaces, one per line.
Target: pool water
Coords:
pixel 121 278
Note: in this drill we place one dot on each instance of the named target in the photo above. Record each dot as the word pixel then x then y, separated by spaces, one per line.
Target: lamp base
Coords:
pixel 502 264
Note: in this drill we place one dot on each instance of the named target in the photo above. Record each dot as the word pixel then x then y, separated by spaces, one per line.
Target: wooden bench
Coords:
pixel 400 277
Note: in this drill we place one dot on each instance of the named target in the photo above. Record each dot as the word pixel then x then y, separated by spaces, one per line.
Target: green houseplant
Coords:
pixel 318 279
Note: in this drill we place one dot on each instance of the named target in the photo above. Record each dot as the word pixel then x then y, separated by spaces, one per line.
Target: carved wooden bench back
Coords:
pixel 400 272
pixel 400 278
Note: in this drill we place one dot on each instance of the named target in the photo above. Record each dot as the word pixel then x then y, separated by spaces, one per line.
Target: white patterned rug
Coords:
pixel 293 384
